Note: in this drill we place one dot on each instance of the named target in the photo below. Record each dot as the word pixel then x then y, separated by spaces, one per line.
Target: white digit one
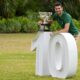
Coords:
pixel 41 43
pixel 55 55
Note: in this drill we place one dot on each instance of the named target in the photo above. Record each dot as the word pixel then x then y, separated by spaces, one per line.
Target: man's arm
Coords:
pixel 66 28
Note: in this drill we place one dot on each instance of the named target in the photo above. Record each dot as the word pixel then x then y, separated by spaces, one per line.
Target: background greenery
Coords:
pixel 22 15
pixel 26 25
pixel 11 8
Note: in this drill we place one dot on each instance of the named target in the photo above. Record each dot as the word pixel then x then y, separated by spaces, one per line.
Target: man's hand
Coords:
pixel 66 28
pixel 49 21
pixel 40 22
pixel 54 33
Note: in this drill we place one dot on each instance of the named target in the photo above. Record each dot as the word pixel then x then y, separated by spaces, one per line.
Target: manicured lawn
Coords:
pixel 17 62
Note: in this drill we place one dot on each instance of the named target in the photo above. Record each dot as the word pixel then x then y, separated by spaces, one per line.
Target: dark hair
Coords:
pixel 57 4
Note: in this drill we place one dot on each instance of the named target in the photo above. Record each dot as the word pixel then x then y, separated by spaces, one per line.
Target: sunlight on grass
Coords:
pixel 15 42
pixel 17 62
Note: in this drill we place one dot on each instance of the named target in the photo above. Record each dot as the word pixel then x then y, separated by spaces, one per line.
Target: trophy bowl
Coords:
pixel 44 16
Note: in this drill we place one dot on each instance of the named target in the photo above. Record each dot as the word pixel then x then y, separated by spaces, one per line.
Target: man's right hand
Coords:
pixel 54 33
pixel 49 21
pixel 40 22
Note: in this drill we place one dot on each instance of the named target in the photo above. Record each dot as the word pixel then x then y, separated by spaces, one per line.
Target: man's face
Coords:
pixel 58 10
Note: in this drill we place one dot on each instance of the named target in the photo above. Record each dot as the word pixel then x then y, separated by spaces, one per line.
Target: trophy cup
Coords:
pixel 45 16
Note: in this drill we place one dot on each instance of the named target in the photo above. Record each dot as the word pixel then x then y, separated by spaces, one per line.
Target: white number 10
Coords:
pixel 55 55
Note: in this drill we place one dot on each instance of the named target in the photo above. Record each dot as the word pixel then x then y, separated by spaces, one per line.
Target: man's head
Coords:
pixel 58 8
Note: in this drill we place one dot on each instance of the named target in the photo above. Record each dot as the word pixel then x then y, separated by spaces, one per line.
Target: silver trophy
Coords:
pixel 44 16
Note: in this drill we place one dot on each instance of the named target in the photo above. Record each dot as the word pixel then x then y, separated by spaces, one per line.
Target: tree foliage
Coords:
pixel 7 8
pixel 11 8
pixel 73 7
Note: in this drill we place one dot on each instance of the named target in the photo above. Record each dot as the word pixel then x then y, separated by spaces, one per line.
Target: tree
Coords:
pixel 7 8
pixel 22 6
pixel 73 7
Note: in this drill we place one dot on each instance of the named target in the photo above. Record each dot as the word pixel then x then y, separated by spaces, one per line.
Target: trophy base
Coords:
pixel 44 27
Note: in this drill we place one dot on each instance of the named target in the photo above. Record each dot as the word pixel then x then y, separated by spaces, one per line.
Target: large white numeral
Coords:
pixel 63 56
pixel 56 55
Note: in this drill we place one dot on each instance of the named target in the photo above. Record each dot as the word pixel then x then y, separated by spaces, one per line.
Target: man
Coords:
pixel 65 20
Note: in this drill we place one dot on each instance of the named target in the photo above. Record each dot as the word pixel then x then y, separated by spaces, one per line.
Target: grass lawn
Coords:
pixel 17 62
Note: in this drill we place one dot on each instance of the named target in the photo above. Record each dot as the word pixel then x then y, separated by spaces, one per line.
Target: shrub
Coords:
pixel 13 25
pixel 23 22
pixel 32 26
pixel 2 25
pixel 77 23
pixel 28 25
pixel 55 26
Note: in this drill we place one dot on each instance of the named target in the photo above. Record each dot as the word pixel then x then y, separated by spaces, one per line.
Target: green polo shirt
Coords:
pixel 66 18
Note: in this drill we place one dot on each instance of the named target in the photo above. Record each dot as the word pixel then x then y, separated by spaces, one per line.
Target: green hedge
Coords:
pixel 13 25
pixel 26 25
pixel 18 24
pixel 55 26
pixel 3 25
pixel 77 23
